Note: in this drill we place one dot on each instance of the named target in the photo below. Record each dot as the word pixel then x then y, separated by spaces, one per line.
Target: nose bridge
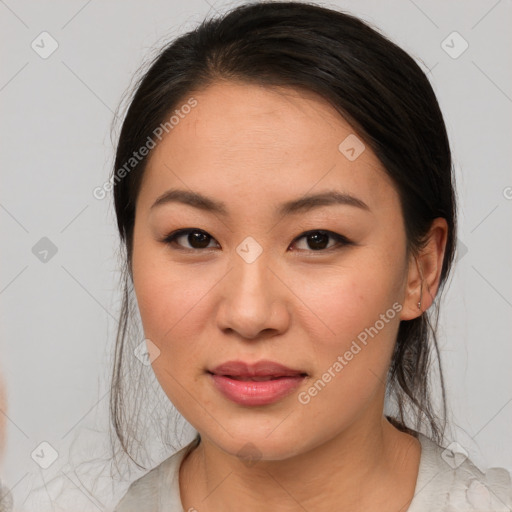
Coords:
pixel 252 301
pixel 250 283
pixel 251 274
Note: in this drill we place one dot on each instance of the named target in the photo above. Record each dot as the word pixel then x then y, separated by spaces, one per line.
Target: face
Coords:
pixel 316 287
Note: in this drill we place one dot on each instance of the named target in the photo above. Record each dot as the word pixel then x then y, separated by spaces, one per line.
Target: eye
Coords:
pixel 196 238
pixel 318 240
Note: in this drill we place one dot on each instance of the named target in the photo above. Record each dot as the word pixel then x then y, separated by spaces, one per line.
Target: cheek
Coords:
pixel 344 300
pixel 176 309
pixel 351 364
pixel 357 308
pixel 173 317
pixel 170 302
pixel 165 291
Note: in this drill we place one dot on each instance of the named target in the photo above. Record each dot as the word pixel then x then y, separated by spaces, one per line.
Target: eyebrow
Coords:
pixel 292 207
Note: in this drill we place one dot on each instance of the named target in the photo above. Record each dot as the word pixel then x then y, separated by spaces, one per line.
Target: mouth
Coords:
pixel 262 383
pixel 248 378
pixel 259 371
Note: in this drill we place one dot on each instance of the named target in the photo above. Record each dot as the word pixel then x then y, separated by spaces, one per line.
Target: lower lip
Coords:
pixel 245 392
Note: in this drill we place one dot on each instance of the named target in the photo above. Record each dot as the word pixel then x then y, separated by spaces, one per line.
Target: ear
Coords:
pixel 424 272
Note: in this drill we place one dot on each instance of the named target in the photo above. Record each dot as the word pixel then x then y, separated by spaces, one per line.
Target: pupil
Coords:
pixel 198 240
pixel 318 240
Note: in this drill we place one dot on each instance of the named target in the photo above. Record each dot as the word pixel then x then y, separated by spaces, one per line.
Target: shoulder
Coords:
pixel 143 492
pixel 158 489
pixel 448 480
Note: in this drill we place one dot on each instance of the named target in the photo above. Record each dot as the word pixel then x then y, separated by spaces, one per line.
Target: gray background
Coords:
pixel 58 316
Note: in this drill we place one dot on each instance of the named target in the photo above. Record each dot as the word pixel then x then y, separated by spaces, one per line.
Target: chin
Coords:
pixel 252 443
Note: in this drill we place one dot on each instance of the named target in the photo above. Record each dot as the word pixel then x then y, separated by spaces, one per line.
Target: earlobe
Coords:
pixel 425 272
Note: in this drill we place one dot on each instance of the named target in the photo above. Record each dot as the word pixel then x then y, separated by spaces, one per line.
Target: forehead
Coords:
pixel 262 142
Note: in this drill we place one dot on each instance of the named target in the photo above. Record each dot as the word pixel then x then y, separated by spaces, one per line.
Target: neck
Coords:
pixel 369 465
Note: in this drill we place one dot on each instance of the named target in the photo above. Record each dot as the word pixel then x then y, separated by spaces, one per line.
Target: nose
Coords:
pixel 254 301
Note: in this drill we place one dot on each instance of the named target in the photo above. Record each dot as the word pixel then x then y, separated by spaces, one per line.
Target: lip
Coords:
pixel 235 380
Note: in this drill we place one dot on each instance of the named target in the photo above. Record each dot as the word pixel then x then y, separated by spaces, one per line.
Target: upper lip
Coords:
pixel 263 368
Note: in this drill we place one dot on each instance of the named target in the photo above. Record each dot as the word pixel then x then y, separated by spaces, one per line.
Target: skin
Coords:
pixel 254 148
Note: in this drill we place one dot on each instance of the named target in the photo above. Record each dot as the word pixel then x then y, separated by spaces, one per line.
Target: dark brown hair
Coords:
pixel 376 86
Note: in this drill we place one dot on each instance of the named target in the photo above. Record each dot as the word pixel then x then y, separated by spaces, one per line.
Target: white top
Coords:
pixel 444 484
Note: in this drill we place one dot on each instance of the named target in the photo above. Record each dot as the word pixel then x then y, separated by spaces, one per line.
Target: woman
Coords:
pixel 284 193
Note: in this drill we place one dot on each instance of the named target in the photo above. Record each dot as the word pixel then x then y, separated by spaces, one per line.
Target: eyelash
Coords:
pixel 340 239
